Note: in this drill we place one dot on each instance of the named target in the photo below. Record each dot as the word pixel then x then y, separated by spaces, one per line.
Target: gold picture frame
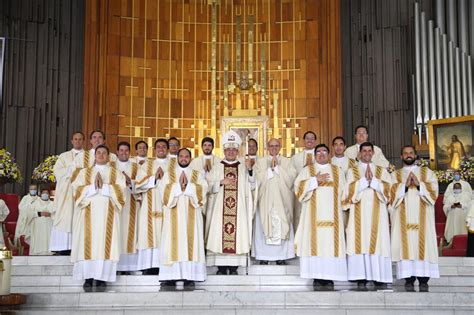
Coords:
pixel 446 137
pixel 248 127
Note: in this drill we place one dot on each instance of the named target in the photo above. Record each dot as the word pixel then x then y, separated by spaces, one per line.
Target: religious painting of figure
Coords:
pixel 248 128
pixel 450 141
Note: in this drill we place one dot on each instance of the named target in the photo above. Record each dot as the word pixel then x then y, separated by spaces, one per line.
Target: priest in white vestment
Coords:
pixel 86 158
pixel 174 146
pixel 339 159
pixel 22 224
pixel 4 211
pixel 319 240
pixel 367 195
pixel 41 223
pixel 99 197
pixel 414 244
pixel 300 160
pixel 184 192
pixel 128 217
pixel 150 215
pixel 204 164
pixel 63 210
pixel 361 136
pixel 457 202
pixel 230 232
pixel 273 223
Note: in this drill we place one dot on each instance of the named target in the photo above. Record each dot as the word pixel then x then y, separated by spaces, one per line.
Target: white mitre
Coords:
pixel 231 140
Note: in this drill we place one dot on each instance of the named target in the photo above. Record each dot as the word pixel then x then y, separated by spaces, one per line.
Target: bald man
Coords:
pixel 274 235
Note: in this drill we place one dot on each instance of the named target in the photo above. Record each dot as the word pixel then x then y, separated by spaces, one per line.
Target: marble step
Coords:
pixel 212 280
pixel 66 270
pixel 231 301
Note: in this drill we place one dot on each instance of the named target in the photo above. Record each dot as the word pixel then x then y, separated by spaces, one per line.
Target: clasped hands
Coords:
pixel 183 181
pixel 412 180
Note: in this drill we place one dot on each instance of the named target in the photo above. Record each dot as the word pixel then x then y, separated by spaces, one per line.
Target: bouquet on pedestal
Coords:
pixel 9 170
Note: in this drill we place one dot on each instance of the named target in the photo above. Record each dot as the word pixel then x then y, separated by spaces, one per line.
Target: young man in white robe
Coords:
pixel 86 158
pixel 41 224
pixel 230 232
pixel 141 149
pixel 339 159
pixel 150 215
pixel 182 243
pixel 301 160
pixel 22 224
pixel 457 202
pixel 367 195
pixel 319 239
pixel 362 136
pixel 99 196
pixel 63 210
pixel 414 244
pixel 204 164
pixel 128 217
pixel 174 146
pixel 4 211
pixel 273 223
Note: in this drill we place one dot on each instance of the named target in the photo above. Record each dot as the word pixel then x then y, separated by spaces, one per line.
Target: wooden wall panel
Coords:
pixel 42 79
pixel 147 65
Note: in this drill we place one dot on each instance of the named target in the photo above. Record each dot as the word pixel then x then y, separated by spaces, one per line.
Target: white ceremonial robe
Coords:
pixel 230 231
pixel 182 241
pixel 273 224
pixel 96 243
pixel 414 244
pixel 22 224
pixel 470 219
pixel 4 211
pixel 150 215
pixel 299 161
pixel 319 240
pixel 367 232
pixel 40 227
pixel 343 163
pixel 456 217
pixel 378 159
pixel 63 210
pixel 128 220
pixel 198 164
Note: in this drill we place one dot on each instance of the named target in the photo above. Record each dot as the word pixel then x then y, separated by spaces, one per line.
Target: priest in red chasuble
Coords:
pixel 230 226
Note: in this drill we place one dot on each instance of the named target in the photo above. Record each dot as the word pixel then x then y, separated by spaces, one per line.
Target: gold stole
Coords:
pixel 85 164
pixel 315 224
pixel 229 217
pixel 133 214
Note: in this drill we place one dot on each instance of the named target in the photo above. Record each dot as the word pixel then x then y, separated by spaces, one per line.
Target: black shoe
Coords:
pixel 263 262
pixel 329 284
pixel 100 286
pixel 151 272
pixel 221 271
pixel 189 283
pixel 168 283
pixel 65 252
pixel 317 285
pixel 124 273
pixel 88 284
pixel 281 262
pixel 380 285
pixel 362 285
pixel 424 287
pixel 233 271
pixel 409 287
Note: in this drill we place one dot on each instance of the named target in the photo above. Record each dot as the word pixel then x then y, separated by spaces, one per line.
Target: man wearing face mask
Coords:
pixel 414 245
pixel 182 243
pixel 457 202
pixel 41 223
pixel 61 233
pixel 22 226
pixel 366 195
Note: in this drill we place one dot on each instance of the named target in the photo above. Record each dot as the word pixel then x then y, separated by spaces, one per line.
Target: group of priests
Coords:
pixel 173 216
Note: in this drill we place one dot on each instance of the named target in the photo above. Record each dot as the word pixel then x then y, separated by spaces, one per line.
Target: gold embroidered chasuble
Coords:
pixel 321 228
pixel 367 230
pixel 96 229
pixel 413 216
pixel 183 231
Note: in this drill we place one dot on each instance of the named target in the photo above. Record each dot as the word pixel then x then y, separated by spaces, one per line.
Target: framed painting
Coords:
pixel 451 139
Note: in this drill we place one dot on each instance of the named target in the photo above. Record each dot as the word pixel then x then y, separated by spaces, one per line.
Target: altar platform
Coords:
pixel 272 289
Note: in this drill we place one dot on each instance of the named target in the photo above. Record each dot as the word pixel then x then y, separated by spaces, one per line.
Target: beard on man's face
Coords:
pixel 409 161
pixel 183 164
